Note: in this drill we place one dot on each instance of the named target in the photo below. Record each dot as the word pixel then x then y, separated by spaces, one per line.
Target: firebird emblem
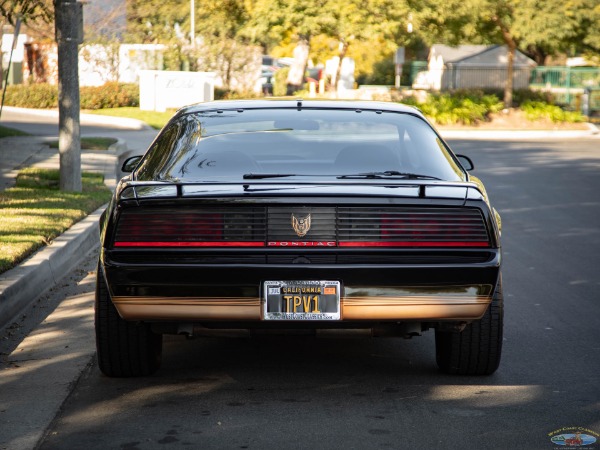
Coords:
pixel 301 226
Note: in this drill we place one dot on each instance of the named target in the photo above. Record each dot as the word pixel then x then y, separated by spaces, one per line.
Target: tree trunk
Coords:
pixel 511 44
pixel 510 69
pixel 69 139
pixel 342 55
pixel 295 79
pixel 537 54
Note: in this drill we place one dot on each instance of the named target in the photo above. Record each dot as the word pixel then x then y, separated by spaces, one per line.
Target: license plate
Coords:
pixel 301 300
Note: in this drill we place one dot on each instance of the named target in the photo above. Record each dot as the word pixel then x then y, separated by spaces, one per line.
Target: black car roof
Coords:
pixel 295 103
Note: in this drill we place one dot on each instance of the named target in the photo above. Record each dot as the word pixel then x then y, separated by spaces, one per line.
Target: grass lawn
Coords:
pixel 7 131
pixel 92 143
pixel 35 211
pixel 154 119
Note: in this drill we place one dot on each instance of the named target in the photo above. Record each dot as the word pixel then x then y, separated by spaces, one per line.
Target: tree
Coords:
pixel 153 21
pixel 69 146
pixel 28 10
pixel 274 21
pixel 161 22
pixel 545 27
pixel 69 135
pixel 366 20
pixel 224 48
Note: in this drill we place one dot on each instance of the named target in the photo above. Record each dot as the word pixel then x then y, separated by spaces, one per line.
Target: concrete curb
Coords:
pixel 21 286
pixel 118 147
pixel 506 135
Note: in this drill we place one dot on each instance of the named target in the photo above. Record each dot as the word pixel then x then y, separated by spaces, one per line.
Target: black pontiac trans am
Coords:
pixel 299 215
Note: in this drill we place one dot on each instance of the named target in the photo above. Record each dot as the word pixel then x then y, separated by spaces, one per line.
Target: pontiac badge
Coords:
pixel 301 225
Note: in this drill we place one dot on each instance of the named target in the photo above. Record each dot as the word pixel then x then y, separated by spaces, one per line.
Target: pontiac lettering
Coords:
pixel 302 244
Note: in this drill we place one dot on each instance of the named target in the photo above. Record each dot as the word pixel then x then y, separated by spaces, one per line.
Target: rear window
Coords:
pixel 226 145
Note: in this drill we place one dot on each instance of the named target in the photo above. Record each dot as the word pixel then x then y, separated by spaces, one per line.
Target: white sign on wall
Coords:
pixel 162 89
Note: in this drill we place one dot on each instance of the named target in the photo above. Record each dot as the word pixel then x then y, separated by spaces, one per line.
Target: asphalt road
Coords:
pixel 298 392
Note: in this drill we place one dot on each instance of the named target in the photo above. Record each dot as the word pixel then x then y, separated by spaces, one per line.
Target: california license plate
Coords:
pixel 301 300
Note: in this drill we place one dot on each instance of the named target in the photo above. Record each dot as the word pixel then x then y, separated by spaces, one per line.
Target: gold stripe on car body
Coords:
pixel 458 303
pixel 419 307
pixel 188 308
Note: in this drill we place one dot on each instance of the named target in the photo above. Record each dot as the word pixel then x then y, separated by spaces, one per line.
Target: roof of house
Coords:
pixel 454 54
pixel 478 55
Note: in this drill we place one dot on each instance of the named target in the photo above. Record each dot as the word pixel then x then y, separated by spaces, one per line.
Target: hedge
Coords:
pixel 44 96
pixel 464 107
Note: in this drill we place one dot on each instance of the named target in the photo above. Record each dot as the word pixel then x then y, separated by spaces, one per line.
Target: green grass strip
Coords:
pixel 35 211
pixel 92 143
pixel 155 119
pixel 7 131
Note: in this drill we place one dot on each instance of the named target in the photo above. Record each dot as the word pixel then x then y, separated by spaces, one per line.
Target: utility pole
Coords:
pixel 69 34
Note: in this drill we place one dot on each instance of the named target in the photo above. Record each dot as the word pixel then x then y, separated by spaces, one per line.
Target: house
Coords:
pixel 473 66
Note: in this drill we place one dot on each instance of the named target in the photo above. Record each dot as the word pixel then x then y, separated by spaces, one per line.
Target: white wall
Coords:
pixel 160 89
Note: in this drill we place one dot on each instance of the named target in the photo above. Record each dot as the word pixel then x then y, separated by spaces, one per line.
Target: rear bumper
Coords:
pixel 233 293
pixel 435 305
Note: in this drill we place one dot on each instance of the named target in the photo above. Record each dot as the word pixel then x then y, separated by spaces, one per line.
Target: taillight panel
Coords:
pixel 330 226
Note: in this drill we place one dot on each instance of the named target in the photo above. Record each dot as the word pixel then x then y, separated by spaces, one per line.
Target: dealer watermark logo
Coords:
pixel 574 437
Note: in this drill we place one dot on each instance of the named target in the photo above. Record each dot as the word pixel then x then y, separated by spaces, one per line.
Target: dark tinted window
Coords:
pixel 308 142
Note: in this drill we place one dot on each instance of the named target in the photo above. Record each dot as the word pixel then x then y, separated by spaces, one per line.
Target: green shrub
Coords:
pixel 109 95
pixel 536 110
pixel 44 96
pixel 459 107
pixel 280 82
pixel 521 96
pixel 224 94
pixel 384 73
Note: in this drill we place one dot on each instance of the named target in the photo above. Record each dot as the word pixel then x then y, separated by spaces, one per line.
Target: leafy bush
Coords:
pixel 41 96
pixel 225 94
pixel 109 95
pixel 280 82
pixel 521 96
pixel 384 73
pixel 459 107
pixel 44 96
pixel 536 110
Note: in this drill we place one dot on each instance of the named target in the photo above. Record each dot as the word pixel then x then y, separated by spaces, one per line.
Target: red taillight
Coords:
pixel 209 226
pixel 412 227
pixel 428 230
pixel 180 229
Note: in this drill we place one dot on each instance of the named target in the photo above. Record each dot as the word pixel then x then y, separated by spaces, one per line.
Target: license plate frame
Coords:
pixel 301 300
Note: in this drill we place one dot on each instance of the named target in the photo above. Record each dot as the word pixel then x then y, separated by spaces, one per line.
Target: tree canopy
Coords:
pixel 537 27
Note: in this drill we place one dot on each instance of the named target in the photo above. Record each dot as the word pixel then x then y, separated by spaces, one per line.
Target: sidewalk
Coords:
pixel 18 152
pixel 25 283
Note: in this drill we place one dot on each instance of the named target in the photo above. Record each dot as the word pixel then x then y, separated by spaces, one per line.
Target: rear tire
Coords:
pixel 125 349
pixel 477 349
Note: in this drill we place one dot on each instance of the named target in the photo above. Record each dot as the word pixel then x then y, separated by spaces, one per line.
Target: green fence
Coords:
pixel 590 104
pixel 410 71
pixel 566 83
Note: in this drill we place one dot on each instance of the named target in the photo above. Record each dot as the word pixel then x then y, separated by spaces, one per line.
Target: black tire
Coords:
pixel 125 349
pixel 478 348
